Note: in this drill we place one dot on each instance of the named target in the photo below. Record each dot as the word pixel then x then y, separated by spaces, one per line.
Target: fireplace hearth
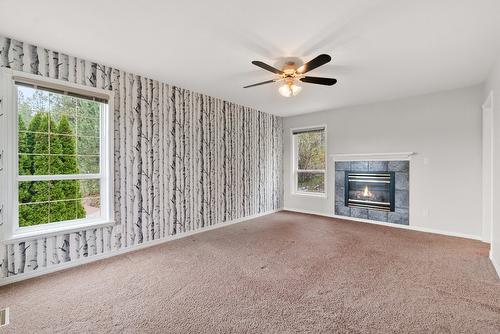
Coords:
pixel 370 190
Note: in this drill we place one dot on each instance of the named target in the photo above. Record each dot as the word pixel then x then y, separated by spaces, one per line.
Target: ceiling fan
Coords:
pixel 290 74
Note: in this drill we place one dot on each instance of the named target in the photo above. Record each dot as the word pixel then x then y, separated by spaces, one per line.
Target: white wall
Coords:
pixel 443 128
pixel 493 85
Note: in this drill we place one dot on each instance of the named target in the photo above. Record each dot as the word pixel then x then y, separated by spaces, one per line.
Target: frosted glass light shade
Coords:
pixel 289 90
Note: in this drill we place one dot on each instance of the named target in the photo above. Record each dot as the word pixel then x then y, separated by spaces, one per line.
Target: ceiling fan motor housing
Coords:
pixel 289 68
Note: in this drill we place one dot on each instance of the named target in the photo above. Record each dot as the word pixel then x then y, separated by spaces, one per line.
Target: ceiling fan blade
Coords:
pixel 267 67
pixel 319 81
pixel 316 62
pixel 260 83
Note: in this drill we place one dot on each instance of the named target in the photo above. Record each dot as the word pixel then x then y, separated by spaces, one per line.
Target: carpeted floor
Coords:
pixel 282 273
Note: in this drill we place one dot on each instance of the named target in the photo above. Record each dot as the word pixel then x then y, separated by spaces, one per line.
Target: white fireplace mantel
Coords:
pixel 372 156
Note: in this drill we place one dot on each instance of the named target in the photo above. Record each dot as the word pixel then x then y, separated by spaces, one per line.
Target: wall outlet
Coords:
pixel 4 317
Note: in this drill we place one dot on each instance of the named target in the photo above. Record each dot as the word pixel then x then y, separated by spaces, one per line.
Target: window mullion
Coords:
pixel 58 177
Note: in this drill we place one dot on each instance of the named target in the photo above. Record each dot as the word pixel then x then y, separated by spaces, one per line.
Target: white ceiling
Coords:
pixel 381 49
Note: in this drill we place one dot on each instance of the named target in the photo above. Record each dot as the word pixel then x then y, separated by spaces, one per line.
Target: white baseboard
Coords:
pixel 496 265
pixel 71 264
pixel 406 227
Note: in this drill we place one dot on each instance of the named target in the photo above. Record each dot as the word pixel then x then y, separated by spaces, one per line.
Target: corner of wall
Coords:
pixel 496 265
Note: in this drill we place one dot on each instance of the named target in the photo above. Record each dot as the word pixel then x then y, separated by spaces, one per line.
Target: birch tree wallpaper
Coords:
pixel 182 161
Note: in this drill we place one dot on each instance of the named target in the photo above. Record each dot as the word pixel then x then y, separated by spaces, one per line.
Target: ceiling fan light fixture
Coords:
pixel 289 75
pixel 289 90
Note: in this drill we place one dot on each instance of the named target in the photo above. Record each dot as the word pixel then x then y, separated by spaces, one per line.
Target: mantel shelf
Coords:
pixel 372 156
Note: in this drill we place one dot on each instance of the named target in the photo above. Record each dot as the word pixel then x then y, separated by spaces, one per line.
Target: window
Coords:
pixel 309 160
pixel 60 170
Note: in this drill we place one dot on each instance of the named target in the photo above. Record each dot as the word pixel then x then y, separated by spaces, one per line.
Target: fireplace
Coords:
pixel 370 190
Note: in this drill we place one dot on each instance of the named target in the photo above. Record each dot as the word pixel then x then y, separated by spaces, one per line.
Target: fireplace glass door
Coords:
pixel 371 190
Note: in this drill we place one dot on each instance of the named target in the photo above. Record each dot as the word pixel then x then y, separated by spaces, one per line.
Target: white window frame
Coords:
pixel 294 159
pixel 9 177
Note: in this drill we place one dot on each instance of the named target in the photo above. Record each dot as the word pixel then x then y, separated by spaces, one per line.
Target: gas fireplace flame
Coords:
pixel 366 192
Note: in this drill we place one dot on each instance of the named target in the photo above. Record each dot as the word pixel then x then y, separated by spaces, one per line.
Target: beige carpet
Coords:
pixel 282 273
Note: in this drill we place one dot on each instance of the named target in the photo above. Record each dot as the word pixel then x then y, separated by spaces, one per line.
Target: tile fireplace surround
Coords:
pixel 401 169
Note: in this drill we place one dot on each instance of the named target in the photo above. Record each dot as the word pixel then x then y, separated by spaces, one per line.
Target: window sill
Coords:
pixel 309 195
pixel 52 231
